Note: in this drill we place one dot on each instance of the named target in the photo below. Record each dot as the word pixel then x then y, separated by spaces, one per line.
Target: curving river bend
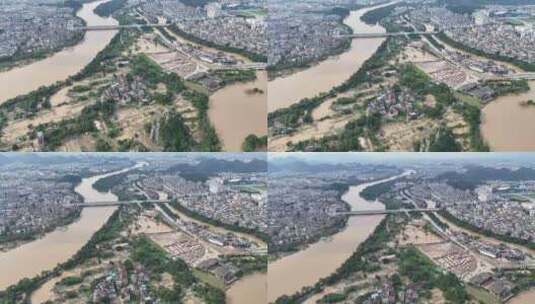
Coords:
pixel 287 90
pixel 61 65
pixel 507 125
pixel 58 246
pixel 304 268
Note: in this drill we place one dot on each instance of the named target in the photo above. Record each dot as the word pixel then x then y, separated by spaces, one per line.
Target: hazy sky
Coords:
pixel 392 157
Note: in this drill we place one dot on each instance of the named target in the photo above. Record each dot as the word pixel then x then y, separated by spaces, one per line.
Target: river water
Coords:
pixel 61 65
pixel 236 112
pixel 304 268
pixel 285 91
pixel 507 125
pixel 251 289
pixel 525 297
pixel 58 246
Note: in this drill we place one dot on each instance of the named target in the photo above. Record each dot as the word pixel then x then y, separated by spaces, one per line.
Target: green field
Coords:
pixel 468 99
pixel 253 12
pixel 253 188
pixel 209 279
pixel 482 295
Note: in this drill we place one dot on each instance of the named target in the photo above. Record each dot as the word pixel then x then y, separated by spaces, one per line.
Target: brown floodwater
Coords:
pixel 58 246
pixel 251 289
pixel 287 90
pixel 304 268
pixel 525 297
pixel 236 112
pixel 509 126
pixel 62 64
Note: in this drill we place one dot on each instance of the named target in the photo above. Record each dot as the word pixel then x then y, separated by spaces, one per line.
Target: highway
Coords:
pixel 245 66
pixel 517 76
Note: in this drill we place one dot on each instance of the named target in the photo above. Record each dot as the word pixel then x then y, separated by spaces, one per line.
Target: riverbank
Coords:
pixel 20 59
pixel 525 66
pixel 63 64
pixel 507 125
pixel 61 246
pixel 10 244
pixel 286 91
pixel 241 93
pixel 236 113
pixel 321 259
pixel 229 49
pixel 7 244
pixel 282 71
pixel 454 224
pixel 278 252
pixel 504 238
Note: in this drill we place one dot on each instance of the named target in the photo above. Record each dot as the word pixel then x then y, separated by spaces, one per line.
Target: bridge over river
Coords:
pixel 118 27
pixel 383 35
pixel 156 25
pixel 119 203
pixel 386 211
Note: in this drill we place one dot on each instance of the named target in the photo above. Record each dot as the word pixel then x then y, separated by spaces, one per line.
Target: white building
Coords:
pixel 213 10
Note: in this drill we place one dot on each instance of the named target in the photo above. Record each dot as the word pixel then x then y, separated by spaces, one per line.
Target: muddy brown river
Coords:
pixel 304 268
pixel 58 246
pixel 62 64
pixel 509 126
pixel 525 297
pixel 251 289
pixel 236 111
pixel 287 90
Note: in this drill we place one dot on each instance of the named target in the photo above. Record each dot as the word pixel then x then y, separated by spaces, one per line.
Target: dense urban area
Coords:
pixel 193 227
pixel 475 245
pixel 438 67
pixel 156 246
pixel 152 87
pixel 291 82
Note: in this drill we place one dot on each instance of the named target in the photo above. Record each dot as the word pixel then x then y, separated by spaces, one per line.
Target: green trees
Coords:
pixel 153 74
pixel 157 262
pixel 444 141
pixel 210 140
pixel 240 229
pixel 374 16
pixel 71 280
pixel 232 76
pixel 174 134
pixel 419 269
pixel 106 9
pixel 526 66
pixel 226 48
pixel 373 192
pixel 254 143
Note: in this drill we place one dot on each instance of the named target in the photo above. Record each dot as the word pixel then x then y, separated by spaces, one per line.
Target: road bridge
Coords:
pixel 516 265
pixel 517 76
pixel 244 66
pixel 119 203
pixel 118 27
pixel 386 211
pixel 383 35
